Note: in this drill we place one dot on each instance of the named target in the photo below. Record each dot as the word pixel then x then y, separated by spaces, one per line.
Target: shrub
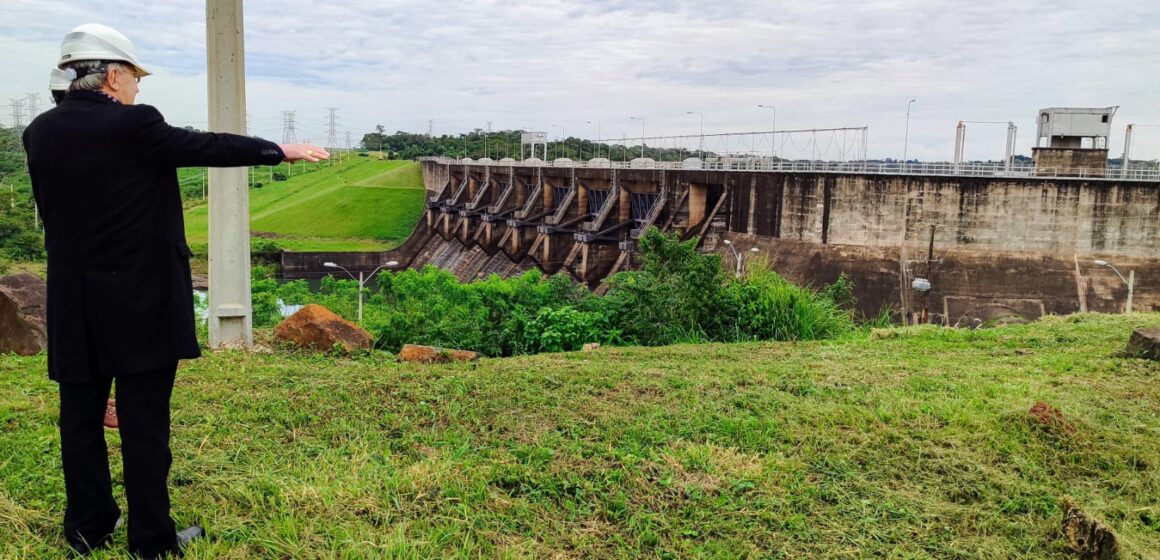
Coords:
pixel 679 295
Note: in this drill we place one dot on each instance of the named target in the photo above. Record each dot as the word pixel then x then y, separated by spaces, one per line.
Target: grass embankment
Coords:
pixel 363 204
pixel 912 446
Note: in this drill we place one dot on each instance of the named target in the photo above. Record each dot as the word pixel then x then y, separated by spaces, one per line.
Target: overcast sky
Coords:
pixel 532 65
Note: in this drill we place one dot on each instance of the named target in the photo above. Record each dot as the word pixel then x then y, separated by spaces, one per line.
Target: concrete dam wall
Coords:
pixel 1002 246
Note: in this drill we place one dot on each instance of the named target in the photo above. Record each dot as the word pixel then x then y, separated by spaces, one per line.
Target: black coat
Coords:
pixel 105 180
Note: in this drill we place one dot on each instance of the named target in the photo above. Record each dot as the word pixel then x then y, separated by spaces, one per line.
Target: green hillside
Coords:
pixel 910 443
pixel 360 204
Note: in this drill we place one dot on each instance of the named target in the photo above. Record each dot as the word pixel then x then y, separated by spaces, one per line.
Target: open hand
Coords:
pixel 299 152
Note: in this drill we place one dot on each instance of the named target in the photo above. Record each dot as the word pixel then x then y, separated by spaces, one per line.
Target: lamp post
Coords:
pixel 561 127
pixel 737 256
pixel 361 280
pixel 1130 281
pixel 906 136
pixel 598 136
pixel 701 144
pixel 641 133
pixel 773 134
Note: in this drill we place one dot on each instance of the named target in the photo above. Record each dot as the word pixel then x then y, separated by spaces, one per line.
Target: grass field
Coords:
pixel 916 444
pixel 361 204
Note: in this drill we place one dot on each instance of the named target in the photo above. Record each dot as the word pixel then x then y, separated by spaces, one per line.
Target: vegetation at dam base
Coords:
pixel 918 444
pixel 678 296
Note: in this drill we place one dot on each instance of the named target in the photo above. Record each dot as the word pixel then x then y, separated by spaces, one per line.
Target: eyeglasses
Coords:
pixel 133 72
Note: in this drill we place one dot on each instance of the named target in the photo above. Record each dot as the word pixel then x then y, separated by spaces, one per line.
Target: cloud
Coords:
pixel 524 64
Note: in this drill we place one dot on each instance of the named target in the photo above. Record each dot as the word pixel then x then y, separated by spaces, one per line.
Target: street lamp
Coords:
pixel 361 281
pixel 561 127
pixel 641 133
pixel 701 144
pixel 737 256
pixel 906 136
pixel 1130 281
pixel 772 135
pixel 598 137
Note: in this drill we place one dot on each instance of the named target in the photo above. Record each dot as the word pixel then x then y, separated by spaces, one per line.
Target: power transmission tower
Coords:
pixel 17 113
pixel 430 127
pixel 288 134
pixel 33 100
pixel 331 131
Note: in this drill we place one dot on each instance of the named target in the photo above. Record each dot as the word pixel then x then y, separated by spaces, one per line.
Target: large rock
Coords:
pixel 432 354
pixel 1145 343
pixel 22 314
pixel 317 327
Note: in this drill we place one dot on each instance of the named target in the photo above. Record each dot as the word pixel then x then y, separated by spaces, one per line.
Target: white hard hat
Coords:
pixel 93 41
pixel 58 80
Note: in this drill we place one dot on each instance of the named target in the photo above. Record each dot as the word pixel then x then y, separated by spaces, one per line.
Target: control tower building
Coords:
pixel 1073 139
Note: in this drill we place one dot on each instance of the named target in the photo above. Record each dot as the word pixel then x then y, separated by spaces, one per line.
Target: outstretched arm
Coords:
pixel 181 147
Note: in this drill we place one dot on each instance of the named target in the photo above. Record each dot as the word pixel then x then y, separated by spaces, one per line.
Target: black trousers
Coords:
pixel 143 414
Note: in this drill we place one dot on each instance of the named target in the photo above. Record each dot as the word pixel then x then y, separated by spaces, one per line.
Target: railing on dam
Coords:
pixel 1111 173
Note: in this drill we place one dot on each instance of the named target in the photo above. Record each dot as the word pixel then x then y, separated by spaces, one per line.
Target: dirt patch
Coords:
pixel 1051 419
pixel 1085 536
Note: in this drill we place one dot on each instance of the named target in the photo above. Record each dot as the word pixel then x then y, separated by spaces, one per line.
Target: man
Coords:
pixel 58 84
pixel 119 291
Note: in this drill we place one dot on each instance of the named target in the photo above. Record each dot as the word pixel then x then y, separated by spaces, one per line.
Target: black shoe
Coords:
pixel 184 537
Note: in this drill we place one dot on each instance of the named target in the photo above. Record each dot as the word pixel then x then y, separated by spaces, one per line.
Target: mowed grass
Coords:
pixel 361 204
pixel 915 445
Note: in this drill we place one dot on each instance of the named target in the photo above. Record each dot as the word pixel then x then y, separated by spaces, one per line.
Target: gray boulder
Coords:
pixel 22 314
pixel 1145 343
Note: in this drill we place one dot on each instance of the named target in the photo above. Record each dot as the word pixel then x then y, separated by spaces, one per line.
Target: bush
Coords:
pixel 680 295
pixel 279 176
pixel 764 306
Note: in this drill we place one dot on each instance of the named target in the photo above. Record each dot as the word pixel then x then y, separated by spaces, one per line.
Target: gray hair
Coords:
pixel 95 72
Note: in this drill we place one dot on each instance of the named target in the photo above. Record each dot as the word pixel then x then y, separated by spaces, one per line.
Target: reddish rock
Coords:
pixel 1145 343
pixel 1086 537
pixel 111 415
pixel 22 314
pixel 317 327
pixel 433 355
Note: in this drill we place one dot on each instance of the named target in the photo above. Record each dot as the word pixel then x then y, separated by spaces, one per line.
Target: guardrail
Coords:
pixel 1111 173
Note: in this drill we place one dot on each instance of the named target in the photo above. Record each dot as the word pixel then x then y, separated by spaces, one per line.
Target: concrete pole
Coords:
pixel 230 319
pixel 1009 154
pixel 1127 152
pixel 1131 288
pixel 960 139
pixel 360 296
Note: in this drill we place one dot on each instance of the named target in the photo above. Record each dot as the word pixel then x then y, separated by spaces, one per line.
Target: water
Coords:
pixel 201 307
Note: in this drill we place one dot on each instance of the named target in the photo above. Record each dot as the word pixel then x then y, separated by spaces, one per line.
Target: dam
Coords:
pixel 992 244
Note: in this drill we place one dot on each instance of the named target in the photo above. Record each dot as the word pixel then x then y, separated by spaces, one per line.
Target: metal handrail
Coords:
pixel 1110 173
